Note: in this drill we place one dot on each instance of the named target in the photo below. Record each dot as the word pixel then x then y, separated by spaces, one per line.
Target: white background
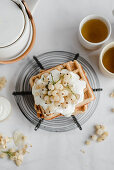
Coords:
pixel 57 24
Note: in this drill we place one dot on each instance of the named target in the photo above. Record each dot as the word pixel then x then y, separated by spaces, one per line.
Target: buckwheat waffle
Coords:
pixel 88 92
pixel 40 112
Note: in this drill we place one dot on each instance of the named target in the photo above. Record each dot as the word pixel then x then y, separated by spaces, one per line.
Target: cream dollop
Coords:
pixel 77 85
pixel 5 108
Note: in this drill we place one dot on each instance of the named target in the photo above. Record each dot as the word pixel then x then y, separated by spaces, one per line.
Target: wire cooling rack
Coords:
pixel 26 102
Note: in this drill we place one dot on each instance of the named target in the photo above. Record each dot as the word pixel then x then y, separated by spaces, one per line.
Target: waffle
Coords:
pixel 40 112
pixel 75 67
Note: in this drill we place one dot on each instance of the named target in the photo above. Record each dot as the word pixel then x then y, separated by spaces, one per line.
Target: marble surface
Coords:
pixel 57 24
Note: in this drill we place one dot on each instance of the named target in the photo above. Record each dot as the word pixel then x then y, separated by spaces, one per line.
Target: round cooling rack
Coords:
pixel 26 102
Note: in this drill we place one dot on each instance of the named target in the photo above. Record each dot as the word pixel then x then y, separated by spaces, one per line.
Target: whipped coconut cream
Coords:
pixel 5 108
pixel 77 85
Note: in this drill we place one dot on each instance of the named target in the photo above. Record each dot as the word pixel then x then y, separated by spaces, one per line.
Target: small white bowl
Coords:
pixel 11 51
pixel 87 44
pixel 21 33
pixel 101 65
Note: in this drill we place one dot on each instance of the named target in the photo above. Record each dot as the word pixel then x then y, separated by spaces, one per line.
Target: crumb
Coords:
pixel 99 132
pixel 93 137
pixel 102 127
pixel 97 127
pixel 112 109
pixel 100 139
pixel 105 134
pixel 112 94
pixel 2 155
pixel 2 82
pixel 87 142
pixel 81 150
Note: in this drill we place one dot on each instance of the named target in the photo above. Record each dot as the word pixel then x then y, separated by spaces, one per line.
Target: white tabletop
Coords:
pixel 57 24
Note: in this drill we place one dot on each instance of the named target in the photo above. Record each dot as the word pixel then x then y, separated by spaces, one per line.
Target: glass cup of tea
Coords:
pixel 94 31
pixel 106 60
